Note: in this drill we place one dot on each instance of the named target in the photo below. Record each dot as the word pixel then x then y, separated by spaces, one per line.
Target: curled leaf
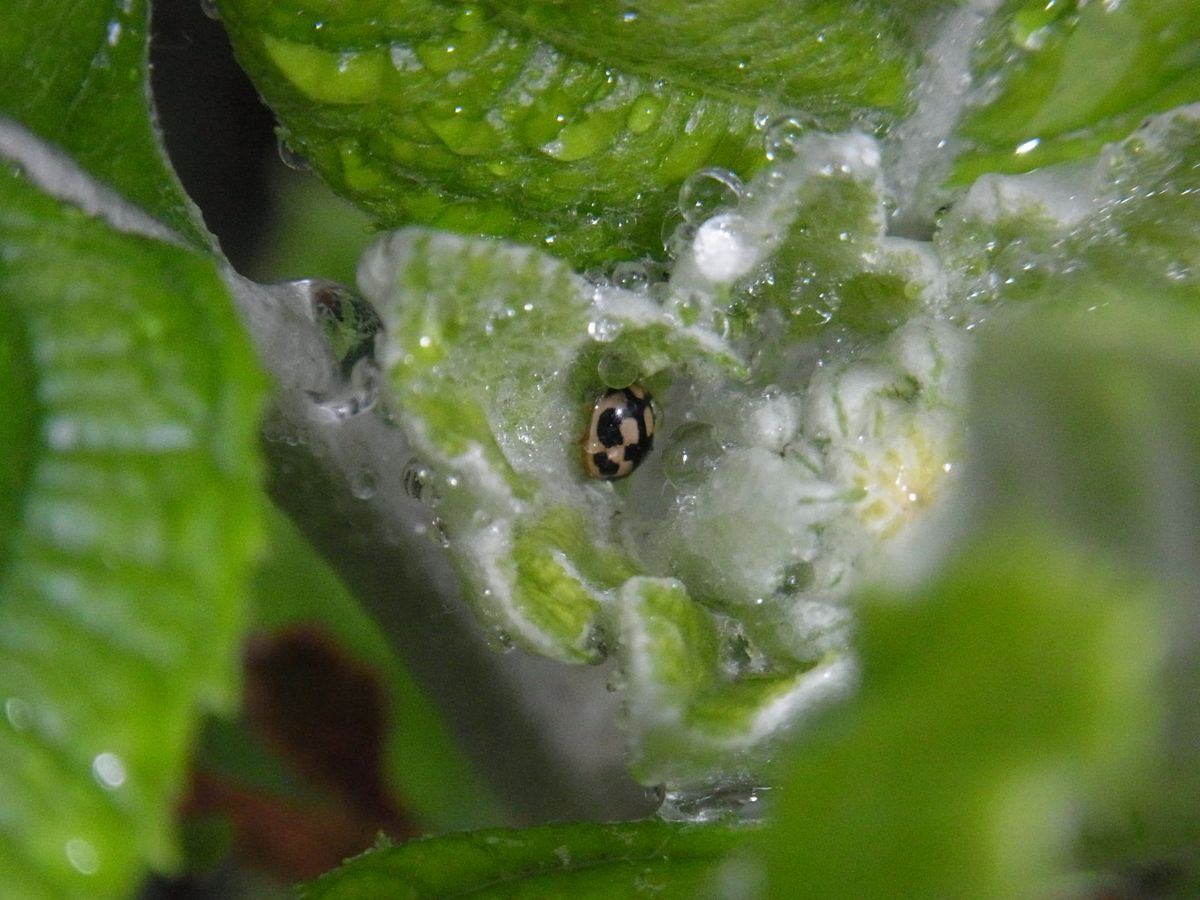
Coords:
pixel 129 524
pixel 570 126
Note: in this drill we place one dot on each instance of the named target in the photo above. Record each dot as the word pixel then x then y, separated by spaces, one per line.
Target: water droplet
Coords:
pixel 616 370
pixel 349 321
pixel 701 805
pixel 597 640
pixel 782 136
pixel 677 235
pixel 359 393
pixel 706 191
pixel 350 325
pixel 659 292
pixel 469 19
pixel 1177 271
pixel 797 577
pixel 595 276
pixel 364 482
pixel 1027 146
pixel 692 452
pixel 603 329
pixel 82 856
pixel 631 276
pixel 643 113
pixel 439 532
pixel 1033 40
pixel 503 639
pixel 109 770
pixel 290 157
pixel 1033 24
pixel 210 9
pixel 416 477
pixel 18 713
pixel 689 308
pixel 272 430
pixel 278 430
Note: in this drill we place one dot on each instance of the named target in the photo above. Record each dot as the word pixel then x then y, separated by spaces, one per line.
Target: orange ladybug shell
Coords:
pixel 620 434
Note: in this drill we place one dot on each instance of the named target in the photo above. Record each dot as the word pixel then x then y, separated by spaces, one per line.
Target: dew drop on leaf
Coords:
pixel 350 325
pixel 781 137
pixel 439 533
pixel 109 770
pixel 603 329
pixel 706 191
pixel 415 478
pixel 18 713
pixel 692 452
pixel 82 856
pixel 616 370
pixel 677 235
pixel 364 482
pixel 631 276
pixel 710 804
pixel 290 157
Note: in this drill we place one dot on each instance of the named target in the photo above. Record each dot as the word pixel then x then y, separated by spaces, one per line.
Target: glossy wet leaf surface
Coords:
pixel 1059 80
pixel 75 73
pixel 568 126
pixel 133 465
pixel 631 859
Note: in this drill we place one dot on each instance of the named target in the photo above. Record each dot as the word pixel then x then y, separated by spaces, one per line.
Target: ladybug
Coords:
pixel 621 433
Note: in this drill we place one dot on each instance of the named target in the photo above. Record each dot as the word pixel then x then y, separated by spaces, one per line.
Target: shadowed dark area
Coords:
pixel 219 136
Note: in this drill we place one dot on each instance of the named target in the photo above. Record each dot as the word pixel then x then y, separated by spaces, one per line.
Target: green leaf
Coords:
pixel 691 717
pixel 570 126
pixel 18 428
pixel 75 72
pixel 751 49
pixel 470 325
pixel 1105 447
pixel 1014 695
pixel 1035 705
pixel 1125 224
pixel 496 354
pixel 1071 77
pixel 1108 441
pixel 629 859
pixel 127 543
pixel 458 315
pixel 807 241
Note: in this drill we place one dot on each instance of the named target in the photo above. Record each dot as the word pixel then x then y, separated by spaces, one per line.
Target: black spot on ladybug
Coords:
pixel 620 434
pixel 604 466
pixel 608 428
